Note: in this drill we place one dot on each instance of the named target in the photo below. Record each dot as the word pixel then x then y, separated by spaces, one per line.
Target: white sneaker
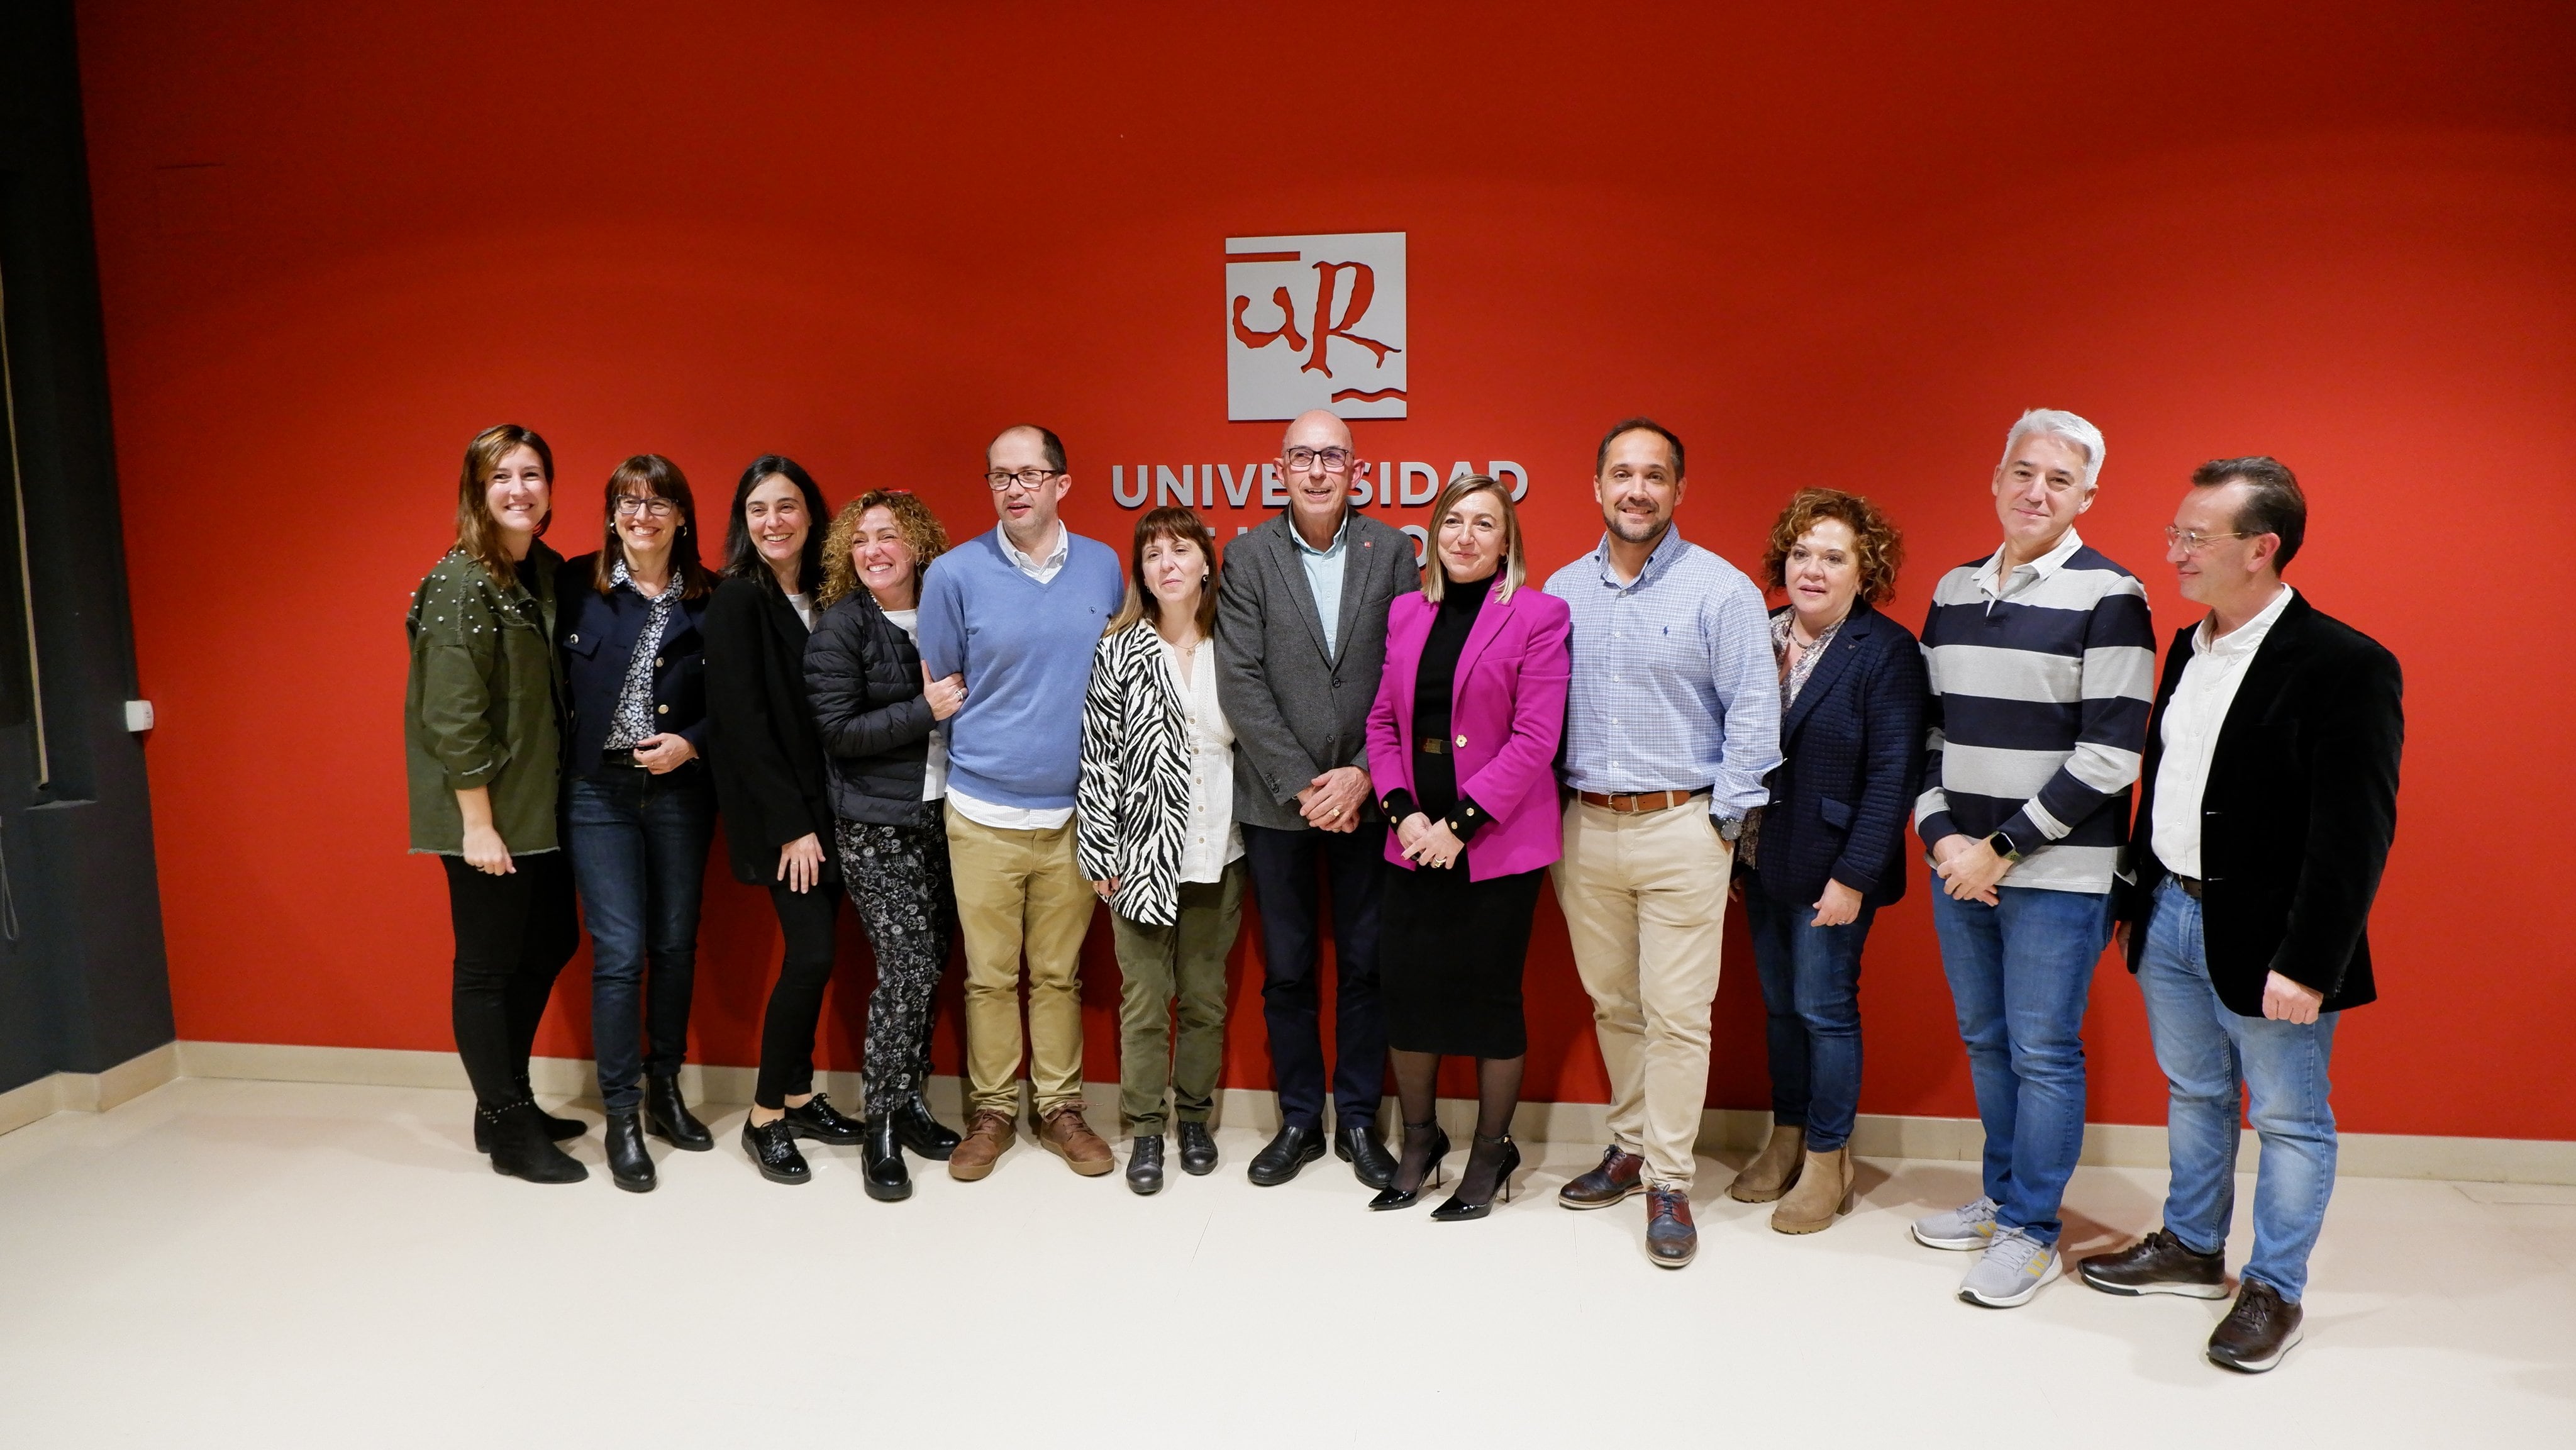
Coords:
pixel 2014 1268
pixel 1969 1227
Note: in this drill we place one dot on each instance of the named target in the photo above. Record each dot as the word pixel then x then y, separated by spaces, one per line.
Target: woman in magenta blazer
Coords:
pixel 1462 746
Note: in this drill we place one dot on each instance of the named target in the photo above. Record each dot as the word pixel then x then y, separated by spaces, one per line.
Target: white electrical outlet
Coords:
pixel 138 715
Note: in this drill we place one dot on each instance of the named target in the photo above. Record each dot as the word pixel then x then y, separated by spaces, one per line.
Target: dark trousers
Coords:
pixel 899 882
pixel 1811 998
pixel 638 843
pixel 796 1004
pixel 1285 867
pixel 513 934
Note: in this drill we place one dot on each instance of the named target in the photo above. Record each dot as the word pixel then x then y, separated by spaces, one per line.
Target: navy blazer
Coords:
pixel 597 634
pixel 1852 748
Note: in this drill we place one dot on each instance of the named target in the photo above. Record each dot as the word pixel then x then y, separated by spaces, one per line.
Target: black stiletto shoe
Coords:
pixel 1458 1209
pixel 1394 1197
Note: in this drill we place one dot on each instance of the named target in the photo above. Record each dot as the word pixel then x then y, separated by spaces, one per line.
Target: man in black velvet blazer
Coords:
pixel 2269 799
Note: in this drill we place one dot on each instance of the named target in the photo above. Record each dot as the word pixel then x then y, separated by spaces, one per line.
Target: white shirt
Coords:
pixel 934 771
pixel 2192 721
pixel 1035 568
pixel 804 608
pixel 1211 840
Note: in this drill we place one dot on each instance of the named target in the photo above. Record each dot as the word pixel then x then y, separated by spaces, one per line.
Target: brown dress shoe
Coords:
pixel 1066 1135
pixel 985 1139
pixel 1620 1174
pixel 1672 1240
pixel 1773 1169
pixel 2157 1264
pixel 1822 1193
pixel 2257 1332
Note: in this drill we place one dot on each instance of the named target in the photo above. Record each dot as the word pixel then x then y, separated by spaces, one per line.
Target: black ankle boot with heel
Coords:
pixel 629 1166
pixel 1506 1158
pixel 667 1116
pixel 881 1161
pixel 1433 1140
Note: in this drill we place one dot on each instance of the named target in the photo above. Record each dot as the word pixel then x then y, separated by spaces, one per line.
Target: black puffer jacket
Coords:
pixel 864 677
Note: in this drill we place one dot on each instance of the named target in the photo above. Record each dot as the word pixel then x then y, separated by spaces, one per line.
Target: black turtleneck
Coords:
pixel 1435 775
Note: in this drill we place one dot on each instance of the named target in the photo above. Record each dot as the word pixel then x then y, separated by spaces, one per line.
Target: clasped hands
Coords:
pixel 1428 842
pixel 1969 868
pixel 1332 801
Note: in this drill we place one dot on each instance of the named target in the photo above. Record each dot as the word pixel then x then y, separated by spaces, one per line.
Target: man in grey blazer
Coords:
pixel 1301 639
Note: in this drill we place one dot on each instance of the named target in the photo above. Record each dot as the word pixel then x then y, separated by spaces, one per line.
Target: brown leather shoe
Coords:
pixel 2257 1332
pixel 2157 1264
pixel 1620 1174
pixel 1063 1133
pixel 1672 1240
pixel 1773 1169
pixel 985 1139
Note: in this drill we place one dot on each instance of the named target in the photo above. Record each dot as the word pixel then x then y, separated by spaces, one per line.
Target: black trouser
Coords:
pixel 899 881
pixel 1284 881
pixel 513 934
pixel 805 918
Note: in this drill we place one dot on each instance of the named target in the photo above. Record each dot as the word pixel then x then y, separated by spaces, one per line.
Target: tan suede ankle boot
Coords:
pixel 1824 1190
pixel 1773 1169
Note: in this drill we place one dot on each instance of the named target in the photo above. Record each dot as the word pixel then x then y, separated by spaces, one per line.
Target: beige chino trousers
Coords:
pixel 1019 892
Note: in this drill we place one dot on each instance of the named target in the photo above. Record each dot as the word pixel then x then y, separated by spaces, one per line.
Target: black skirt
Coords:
pixel 1449 959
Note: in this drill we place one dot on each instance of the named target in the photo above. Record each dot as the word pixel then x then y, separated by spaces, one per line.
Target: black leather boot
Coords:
pixel 881 1156
pixel 522 1148
pixel 667 1116
pixel 1145 1163
pixel 1198 1150
pixel 772 1146
pixel 628 1163
pixel 919 1132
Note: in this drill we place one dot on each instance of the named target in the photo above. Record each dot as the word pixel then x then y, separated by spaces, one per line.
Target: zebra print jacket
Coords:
pixel 1133 805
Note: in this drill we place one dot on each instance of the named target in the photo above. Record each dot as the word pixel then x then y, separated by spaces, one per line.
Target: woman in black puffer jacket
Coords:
pixel 887 764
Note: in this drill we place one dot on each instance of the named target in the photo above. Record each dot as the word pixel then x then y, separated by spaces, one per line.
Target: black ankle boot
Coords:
pixel 882 1158
pixel 522 1148
pixel 558 1130
pixel 1198 1150
pixel 628 1163
pixel 1505 1156
pixel 667 1116
pixel 1433 1141
pixel 919 1132
pixel 772 1146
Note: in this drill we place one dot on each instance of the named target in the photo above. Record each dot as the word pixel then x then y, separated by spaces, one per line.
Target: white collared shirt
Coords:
pixel 1211 840
pixel 2190 733
pixel 2025 575
pixel 1046 569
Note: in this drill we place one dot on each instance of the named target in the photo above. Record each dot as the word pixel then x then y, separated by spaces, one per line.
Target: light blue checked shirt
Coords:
pixel 1675 686
pixel 1324 576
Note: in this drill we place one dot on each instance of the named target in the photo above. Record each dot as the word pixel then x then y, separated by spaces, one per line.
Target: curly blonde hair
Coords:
pixel 920 528
pixel 1879 544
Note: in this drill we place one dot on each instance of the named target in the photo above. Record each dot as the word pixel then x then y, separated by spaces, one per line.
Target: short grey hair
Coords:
pixel 2060 424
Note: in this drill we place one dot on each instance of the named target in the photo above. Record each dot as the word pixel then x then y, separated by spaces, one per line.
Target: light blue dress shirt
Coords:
pixel 1324 576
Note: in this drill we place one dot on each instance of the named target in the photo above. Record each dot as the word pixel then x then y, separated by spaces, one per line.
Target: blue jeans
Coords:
pixel 2020 974
pixel 1811 995
pixel 2205 1049
pixel 638 844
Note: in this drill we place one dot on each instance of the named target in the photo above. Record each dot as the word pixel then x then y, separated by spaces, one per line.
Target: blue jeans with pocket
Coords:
pixel 638 843
pixel 1811 1001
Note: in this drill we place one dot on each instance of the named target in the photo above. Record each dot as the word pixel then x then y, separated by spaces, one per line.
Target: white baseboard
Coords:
pixel 89 1092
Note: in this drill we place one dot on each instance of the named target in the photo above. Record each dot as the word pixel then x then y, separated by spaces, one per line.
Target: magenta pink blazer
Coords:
pixel 1507 712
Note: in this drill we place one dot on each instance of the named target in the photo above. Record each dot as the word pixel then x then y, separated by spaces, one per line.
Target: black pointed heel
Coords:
pixel 1458 1209
pixel 1391 1197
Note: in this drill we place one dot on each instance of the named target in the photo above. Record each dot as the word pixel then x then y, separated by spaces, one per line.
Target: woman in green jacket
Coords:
pixel 482 720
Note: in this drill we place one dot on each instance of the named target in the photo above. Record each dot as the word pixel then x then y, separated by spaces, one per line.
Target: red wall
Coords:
pixel 338 240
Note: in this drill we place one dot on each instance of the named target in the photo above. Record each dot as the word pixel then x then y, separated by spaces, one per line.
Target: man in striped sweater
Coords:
pixel 2042 660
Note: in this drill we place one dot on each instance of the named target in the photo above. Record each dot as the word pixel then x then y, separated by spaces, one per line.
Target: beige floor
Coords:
pixel 258 1264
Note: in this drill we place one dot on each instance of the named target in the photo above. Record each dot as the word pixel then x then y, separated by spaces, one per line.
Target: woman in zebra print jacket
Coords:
pixel 1155 835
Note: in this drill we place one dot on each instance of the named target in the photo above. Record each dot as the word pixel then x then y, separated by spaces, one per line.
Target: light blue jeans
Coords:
pixel 2205 1050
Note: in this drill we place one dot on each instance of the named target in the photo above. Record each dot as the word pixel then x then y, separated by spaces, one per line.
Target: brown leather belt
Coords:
pixel 2190 885
pixel 1641 803
pixel 1433 745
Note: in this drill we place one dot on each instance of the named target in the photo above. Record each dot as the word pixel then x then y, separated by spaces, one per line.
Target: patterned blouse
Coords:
pixel 633 724
pixel 1793 678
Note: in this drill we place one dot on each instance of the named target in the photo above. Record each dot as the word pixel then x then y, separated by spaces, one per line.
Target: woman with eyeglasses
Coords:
pixel 639 812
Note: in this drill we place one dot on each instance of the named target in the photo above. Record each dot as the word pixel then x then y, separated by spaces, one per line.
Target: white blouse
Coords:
pixel 1213 840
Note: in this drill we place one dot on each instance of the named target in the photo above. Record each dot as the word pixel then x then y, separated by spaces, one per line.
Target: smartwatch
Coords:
pixel 2002 845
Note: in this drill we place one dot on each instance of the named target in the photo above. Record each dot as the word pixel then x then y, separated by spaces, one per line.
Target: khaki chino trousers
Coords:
pixel 1019 893
pixel 1644 898
pixel 1181 963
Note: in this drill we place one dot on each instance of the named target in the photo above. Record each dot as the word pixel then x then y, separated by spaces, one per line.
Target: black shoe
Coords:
pixel 1458 1209
pixel 1357 1145
pixel 2157 1264
pixel 522 1147
pixel 1198 1150
pixel 921 1133
pixel 1437 1148
pixel 772 1145
pixel 888 1181
pixel 2257 1332
pixel 1145 1163
pixel 817 1119
pixel 628 1163
pixel 558 1130
pixel 667 1116
pixel 1297 1145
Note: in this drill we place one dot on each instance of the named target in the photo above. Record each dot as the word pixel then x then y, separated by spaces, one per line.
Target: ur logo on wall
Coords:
pixel 1314 322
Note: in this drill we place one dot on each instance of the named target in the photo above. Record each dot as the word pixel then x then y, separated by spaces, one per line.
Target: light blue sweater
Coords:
pixel 1025 650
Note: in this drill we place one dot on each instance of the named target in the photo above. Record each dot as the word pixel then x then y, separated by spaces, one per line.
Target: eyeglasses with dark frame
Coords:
pixel 1303 460
pixel 629 505
pixel 1032 479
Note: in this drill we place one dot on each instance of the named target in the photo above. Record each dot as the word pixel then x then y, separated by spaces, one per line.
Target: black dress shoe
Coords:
pixel 1297 1145
pixel 817 1119
pixel 558 1130
pixel 522 1148
pixel 2157 1264
pixel 2257 1332
pixel 921 1133
pixel 772 1146
pixel 1198 1150
pixel 888 1181
pixel 628 1163
pixel 1145 1163
pixel 667 1116
pixel 1357 1145
pixel 1506 1157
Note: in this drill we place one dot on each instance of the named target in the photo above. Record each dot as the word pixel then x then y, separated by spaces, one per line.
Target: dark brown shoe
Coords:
pixel 1063 1133
pixel 2157 1264
pixel 1620 1174
pixel 1672 1240
pixel 986 1137
pixel 2257 1332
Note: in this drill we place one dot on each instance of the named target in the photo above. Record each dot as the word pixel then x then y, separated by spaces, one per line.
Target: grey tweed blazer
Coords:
pixel 1298 710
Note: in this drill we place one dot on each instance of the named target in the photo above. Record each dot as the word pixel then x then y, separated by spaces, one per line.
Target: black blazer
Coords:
pixel 2296 818
pixel 597 635
pixel 864 677
pixel 761 743
pixel 1853 750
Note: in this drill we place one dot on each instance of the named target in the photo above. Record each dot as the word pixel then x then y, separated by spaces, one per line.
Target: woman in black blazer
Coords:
pixel 638 810
pixel 768 765
pixel 1827 851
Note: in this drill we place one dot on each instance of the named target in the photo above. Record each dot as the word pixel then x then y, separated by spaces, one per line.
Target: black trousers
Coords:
pixel 513 935
pixel 805 918
pixel 1287 870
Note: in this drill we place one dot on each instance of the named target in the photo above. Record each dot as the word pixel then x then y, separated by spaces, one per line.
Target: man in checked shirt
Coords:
pixel 1672 722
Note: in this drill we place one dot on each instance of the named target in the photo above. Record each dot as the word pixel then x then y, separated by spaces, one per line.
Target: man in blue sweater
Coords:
pixel 1017 612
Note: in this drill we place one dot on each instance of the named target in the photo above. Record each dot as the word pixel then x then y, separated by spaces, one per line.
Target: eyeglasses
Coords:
pixel 1032 479
pixel 628 506
pixel 1303 460
pixel 2191 541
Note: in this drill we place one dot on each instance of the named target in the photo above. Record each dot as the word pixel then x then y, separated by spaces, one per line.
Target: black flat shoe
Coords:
pixel 1145 1164
pixel 1458 1209
pixel 522 1148
pixel 1198 1150
pixel 667 1117
pixel 817 1119
pixel 772 1146
pixel 1392 1197
pixel 921 1133
pixel 1357 1145
pixel 1296 1146
pixel 888 1181
pixel 628 1164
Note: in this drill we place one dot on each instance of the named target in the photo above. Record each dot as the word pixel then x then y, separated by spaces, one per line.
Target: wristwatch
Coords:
pixel 1730 827
pixel 2002 845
